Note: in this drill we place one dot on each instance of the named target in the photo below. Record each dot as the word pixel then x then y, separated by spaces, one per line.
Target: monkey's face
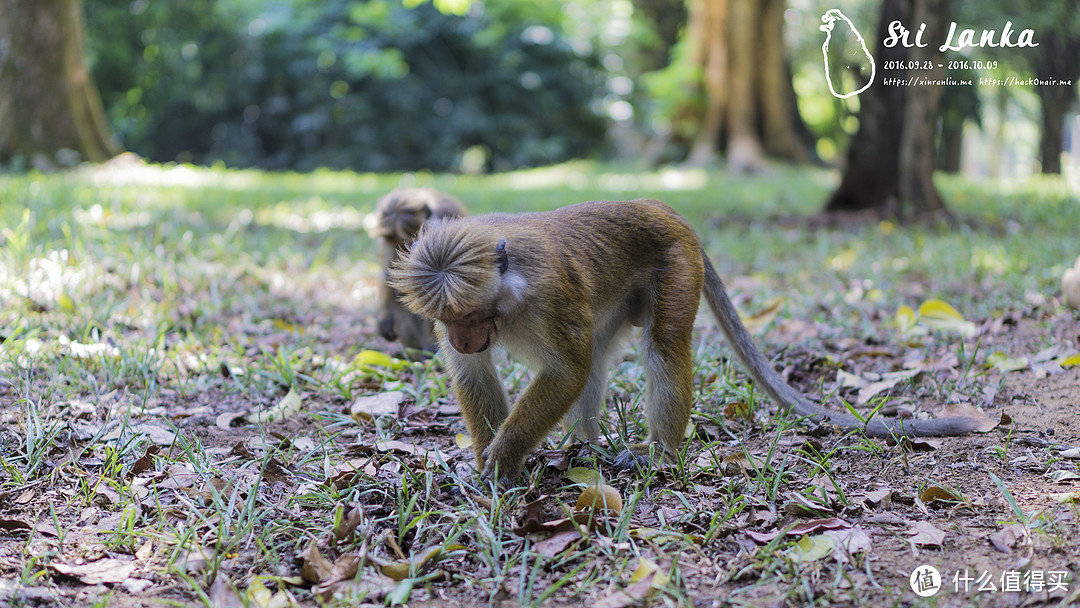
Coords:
pixel 473 333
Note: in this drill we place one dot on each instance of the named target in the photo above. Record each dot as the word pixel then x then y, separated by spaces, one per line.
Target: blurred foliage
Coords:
pixel 369 85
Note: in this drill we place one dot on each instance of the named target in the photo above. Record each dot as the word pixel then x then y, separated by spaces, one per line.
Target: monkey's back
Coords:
pixel 604 248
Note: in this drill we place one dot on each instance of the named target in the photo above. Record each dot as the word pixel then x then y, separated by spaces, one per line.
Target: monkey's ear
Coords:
pixel 500 252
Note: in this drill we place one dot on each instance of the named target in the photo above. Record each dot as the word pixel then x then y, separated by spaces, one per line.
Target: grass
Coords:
pixel 148 314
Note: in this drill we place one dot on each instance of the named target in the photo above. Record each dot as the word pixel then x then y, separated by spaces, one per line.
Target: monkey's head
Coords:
pixel 400 215
pixel 452 274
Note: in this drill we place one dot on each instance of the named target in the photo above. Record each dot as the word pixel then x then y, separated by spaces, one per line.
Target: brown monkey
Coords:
pixel 399 216
pixel 558 289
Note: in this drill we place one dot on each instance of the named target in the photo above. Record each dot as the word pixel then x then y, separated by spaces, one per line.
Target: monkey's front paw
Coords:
pixel 502 482
pixel 498 469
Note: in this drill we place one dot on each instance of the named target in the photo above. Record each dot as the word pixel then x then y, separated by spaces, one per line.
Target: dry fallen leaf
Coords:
pixel 1060 476
pixel 557 543
pixel 1008 537
pixel 193 561
pixel 817 525
pixel 757 322
pixel 416 565
pixel 260 597
pixel 146 461
pixel 11 525
pixel 805 506
pixel 932 493
pixel 584 476
pixel 811 548
pixel 370 407
pixel 655 533
pixel 849 542
pixel 314 568
pixel 1070 454
pixel 275 472
pixel 1004 363
pixel 738 411
pixel 347 523
pixel 229 420
pixel 966 410
pixel 871 390
pixel 288 406
pixel 880 496
pixel 223 593
pixel 108 570
pixel 1070 285
pixel 373 358
pixel 925 534
pixel 153 432
pixel 939 315
pixel 629 596
pixel 1064 497
pixel 763 537
pixel 650 569
pixel 743 463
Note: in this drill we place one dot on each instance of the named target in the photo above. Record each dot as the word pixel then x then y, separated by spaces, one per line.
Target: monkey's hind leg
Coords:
pixel 669 364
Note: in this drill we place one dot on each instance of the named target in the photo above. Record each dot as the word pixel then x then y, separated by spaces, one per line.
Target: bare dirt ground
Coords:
pixel 878 515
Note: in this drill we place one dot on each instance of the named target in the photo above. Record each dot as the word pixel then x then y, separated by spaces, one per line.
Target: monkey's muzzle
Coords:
pixel 471 337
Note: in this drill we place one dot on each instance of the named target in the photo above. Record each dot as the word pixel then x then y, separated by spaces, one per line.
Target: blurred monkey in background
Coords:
pixel 398 218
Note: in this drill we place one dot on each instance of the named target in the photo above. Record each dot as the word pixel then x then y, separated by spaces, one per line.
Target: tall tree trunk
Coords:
pixel 1055 102
pixel 997 142
pixel 48 102
pixel 871 173
pixel 917 191
pixel 952 144
pixel 1054 62
pixel 745 152
pixel 891 159
pixel 708 24
pixel 750 106
pixel 784 134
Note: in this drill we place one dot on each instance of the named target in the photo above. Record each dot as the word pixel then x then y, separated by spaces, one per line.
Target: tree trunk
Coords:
pixel 1055 102
pixel 891 159
pixel 997 143
pixel 708 22
pixel 918 194
pixel 784 135
pixel 48 102
pixel 745 152
pixel 952 144
pixel 750 106
pixel 871 173
pixel 1055 63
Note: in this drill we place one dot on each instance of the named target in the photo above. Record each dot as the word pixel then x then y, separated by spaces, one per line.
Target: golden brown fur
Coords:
pixel 558 289
pixel 399 216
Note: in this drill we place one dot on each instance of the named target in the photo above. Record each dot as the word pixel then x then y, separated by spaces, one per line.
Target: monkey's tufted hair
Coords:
pixel 449 272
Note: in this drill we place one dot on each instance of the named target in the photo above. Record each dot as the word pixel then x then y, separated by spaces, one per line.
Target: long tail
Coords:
pixel 755 363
